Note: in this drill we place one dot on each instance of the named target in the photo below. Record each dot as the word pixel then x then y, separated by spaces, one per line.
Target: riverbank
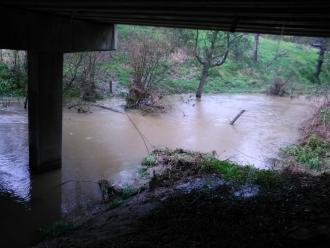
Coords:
pixel 185 198
pixel 195 199
pixel 105 144
pixel 312 153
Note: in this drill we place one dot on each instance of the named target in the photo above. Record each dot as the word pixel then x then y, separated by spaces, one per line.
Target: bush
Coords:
pixel 10 84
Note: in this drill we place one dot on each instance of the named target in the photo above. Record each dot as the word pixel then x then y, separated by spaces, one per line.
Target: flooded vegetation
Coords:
pixel 180 138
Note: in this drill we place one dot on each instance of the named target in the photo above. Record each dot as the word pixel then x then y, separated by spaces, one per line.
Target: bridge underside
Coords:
pixel 49 28
pixel 291 17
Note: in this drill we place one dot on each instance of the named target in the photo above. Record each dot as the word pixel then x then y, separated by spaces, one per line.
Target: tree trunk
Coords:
pixel 255 48
pixel 110 87
pixel 322 50
pixel 88 86
pixel 202 82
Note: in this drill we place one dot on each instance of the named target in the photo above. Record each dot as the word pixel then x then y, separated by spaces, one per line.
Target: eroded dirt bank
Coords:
pixel 189 199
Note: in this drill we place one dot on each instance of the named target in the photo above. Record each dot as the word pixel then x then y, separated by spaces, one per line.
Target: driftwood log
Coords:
pixel 236 117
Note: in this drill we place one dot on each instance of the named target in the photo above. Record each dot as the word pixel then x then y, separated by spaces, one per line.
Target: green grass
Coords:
pixel 312 154
pixel 243 76
pixel 242 174
pixel 149 161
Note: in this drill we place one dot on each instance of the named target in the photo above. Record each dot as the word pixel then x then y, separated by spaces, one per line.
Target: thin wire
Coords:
pixel 139 132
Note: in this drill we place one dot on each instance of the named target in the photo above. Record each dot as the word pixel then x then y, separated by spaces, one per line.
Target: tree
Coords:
pixel 211 50
pixel 149 59
pixel 80 71
pixel 321 44
pixel 255 48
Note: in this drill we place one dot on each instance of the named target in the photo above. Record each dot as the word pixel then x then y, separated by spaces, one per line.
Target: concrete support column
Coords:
pixel 45 70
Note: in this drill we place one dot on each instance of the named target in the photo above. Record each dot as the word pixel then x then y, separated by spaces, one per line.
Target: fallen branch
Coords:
pixel 237 116
pixel 107 108
pixel 98 106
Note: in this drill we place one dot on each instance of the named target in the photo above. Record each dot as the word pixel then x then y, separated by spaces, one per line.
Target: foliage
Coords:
pixel 211 51
pixel 291 59
pixel 9 86
pixel 313 154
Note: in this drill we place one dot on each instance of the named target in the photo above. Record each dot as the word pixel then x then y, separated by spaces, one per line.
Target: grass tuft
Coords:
pixel 56 229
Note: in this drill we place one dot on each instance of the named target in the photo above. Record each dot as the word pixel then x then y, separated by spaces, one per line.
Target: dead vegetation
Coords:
pixel 320 122
pixel 277 88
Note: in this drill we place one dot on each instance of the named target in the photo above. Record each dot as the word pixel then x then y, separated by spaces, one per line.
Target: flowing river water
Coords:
pixel 105 144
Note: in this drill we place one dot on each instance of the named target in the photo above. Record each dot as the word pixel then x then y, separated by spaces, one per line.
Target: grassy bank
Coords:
pixel 292 62
pixel 193 199
pixel 312 153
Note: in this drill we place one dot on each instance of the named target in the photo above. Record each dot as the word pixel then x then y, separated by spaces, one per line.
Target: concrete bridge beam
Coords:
pixel 45 92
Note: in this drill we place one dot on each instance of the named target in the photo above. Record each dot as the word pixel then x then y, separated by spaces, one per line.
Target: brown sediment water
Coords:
pixel 105 144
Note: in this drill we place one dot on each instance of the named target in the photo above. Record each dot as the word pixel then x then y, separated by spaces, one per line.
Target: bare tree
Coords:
pixel 71 69
pixel 211 50
pixel 149 58
pixel 80 71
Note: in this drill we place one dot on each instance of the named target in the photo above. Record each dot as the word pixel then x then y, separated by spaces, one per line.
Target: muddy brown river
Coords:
pixel 105 144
